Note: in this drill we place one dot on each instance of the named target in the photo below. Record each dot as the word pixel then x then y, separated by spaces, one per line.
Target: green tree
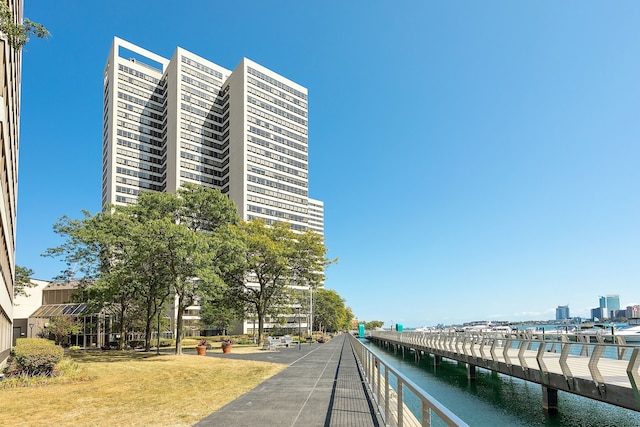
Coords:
pixel 23 281
pixel 329 311
pixel 103 250
pixel 274 258
pixel 349 316
pixel 61 327
pixel 137 256
pixel 372 324
pixel 18 33
pixel 219 312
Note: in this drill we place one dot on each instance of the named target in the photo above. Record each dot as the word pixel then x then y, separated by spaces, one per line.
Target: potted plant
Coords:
pixel 226 345
pixel 201 348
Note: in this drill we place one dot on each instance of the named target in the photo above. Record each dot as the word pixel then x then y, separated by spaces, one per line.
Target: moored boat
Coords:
pixel 631 332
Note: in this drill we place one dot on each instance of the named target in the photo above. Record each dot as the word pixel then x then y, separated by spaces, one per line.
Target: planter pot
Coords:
pixel 226 349
pixel 201 350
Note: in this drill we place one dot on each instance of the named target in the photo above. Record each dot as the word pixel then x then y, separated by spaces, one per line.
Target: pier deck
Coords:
pixel 574 367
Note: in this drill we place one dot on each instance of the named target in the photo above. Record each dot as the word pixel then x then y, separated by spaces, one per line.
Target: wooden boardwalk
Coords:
pixel 605 372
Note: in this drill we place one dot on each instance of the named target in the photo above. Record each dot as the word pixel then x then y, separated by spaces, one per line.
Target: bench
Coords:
pixel 271 343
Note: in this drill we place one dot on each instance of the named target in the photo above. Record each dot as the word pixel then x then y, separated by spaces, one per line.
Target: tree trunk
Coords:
pixel 123 312
pixel 260 316
pixel 179 327
pixel 147 326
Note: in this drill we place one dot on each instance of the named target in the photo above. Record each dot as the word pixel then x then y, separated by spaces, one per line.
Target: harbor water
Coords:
pixel 500 400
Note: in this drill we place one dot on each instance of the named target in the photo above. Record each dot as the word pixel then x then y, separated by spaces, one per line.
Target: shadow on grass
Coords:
pixel 89 356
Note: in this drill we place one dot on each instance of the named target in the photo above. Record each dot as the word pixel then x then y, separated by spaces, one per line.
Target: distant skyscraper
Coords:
pixel 188 120
pixel 603 313
pixel 633 311
pixel 603 302
pixel 599 313
pixel 10 77
pixel 613 304
pixel 562 312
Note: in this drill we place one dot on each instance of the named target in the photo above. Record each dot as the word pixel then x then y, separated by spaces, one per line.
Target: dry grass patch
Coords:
pixel 136 389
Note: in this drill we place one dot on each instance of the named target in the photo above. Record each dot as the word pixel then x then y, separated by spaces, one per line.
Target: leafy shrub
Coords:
pixel 166 342
pixel 34 357
pixel 65 372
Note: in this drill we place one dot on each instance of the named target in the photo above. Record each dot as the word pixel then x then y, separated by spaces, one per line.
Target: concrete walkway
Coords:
pixel 322 386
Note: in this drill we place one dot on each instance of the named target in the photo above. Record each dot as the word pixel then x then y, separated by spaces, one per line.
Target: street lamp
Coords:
pixel 299 329
pixel 311 312
pixel 31 325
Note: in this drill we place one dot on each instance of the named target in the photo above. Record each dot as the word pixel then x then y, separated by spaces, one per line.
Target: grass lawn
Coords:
pixel 136 389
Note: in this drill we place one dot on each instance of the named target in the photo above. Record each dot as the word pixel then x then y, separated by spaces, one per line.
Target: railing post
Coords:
pixel 564 354
pixel 387 388
pixel 400 403
pixel 541 365
pixel 632 372
pixel 598 350
pixel 505 353
pixel 379 366
pixel 426 415
pixel 522 347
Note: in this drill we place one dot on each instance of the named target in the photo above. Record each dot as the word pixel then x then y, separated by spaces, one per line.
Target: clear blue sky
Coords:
pixel 477 160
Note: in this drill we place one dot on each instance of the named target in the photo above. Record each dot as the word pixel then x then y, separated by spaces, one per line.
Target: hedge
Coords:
pixel 34 357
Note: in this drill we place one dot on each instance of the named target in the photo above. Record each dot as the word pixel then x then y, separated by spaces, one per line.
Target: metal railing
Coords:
pixel 538 358
pixel 389 389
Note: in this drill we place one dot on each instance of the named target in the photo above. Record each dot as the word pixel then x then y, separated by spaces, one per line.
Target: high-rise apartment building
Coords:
pixel 10 76
pixel 186 119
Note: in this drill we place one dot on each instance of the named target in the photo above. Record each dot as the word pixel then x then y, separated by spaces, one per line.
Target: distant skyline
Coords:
pixel 477 160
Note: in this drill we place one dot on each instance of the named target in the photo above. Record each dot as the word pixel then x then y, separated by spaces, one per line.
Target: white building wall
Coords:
pixel 133 145
pixel 316 216
pixel 10 80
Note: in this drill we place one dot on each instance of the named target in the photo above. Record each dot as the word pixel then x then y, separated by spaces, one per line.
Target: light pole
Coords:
pixel 311 312
pixel 31 325
pixel 299 329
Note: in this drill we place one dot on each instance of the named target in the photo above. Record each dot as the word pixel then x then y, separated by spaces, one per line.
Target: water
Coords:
pixel 499 400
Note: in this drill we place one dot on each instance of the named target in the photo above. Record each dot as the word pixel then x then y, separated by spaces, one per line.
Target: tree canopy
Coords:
pixel 329 311
pixel 18 33
pixel 22 281
pixel 137 256
pixel 192 247
pixel 275 258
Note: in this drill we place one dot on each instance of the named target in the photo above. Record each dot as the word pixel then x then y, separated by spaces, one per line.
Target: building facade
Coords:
pixel 10 76
pixel 632 311
pixel 613 305
pixel 562 312
pixel 188 120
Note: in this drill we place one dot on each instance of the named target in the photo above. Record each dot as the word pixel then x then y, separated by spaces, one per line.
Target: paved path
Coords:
pixel 322 386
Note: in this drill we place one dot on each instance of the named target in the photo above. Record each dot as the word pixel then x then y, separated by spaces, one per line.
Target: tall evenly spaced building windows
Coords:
pixel 186 119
